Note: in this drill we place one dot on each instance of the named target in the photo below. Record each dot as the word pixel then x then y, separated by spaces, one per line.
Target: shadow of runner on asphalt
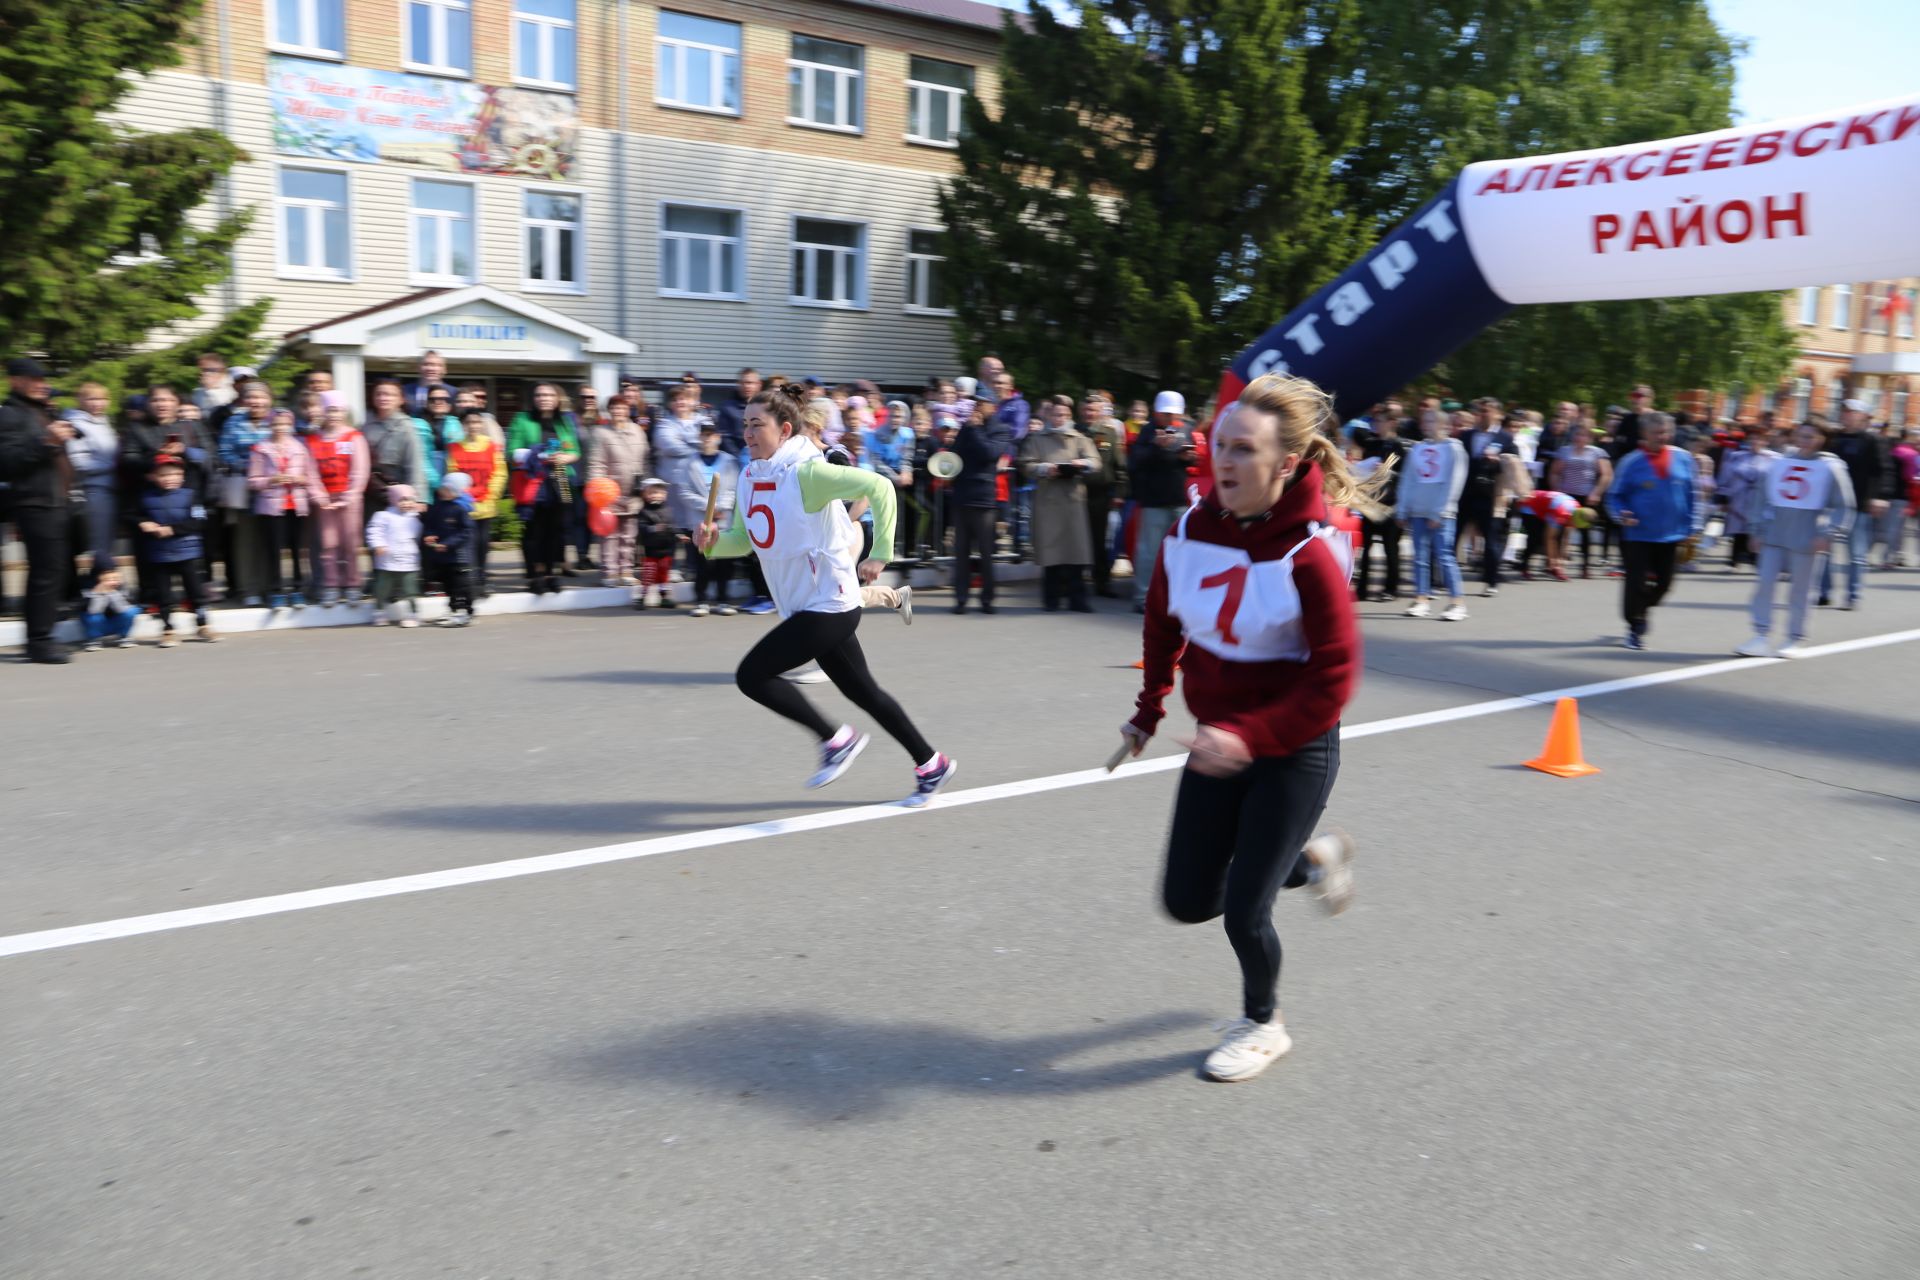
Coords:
pixel 824 1068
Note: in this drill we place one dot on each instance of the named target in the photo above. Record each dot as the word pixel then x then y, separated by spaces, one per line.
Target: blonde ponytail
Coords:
pixel 1305 414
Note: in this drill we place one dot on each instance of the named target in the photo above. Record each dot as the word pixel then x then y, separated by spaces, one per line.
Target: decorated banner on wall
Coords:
pixel 1821 200
pixel 358 114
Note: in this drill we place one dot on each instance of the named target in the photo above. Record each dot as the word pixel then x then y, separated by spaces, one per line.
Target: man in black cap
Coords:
pixel 33 462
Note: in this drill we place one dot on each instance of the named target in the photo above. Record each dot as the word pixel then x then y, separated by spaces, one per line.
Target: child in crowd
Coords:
pixel 711 468
pixel 172 518
pixel 657 539
pixel 109 613
pixel 394 535
pixel 343 463
pixel 447 543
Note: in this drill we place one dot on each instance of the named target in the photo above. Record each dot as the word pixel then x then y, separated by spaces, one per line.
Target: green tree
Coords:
pixel 1151 194
pixel 1482 79
pixel 99 245
pixel 1165 180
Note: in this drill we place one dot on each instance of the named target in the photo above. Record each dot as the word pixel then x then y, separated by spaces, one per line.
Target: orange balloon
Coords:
pixel 602 492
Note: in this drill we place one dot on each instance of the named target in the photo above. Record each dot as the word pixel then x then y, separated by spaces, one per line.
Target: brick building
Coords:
pixel 1852 344
pixel 579 188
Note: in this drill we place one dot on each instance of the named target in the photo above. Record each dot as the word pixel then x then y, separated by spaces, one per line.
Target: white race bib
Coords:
pixel 1800 483
pixel 1234 607
pixel 1429 463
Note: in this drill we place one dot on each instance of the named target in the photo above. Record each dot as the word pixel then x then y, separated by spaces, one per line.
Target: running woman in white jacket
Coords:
pixel 794 517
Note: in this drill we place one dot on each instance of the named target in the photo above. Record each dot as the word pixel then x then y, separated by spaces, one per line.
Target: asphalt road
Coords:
pixel 1658 1022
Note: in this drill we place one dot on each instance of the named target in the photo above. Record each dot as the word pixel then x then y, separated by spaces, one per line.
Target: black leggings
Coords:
pixel 826 638
pixel 1236 842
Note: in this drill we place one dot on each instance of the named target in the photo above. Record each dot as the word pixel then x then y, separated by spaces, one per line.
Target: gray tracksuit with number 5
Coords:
pixel 1797 528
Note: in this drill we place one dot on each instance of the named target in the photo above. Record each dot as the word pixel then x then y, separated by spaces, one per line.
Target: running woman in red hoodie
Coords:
pixel 1249 597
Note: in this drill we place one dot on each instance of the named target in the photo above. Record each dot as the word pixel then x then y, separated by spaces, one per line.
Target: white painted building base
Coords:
pixel 228 622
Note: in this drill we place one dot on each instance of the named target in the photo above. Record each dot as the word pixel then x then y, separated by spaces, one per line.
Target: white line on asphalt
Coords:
pixel 277 904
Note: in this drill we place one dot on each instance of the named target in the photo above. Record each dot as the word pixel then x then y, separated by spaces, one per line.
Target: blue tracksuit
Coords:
pixel 1666 510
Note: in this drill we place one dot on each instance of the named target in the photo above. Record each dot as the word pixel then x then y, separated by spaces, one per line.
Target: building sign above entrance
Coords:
pixel 475 333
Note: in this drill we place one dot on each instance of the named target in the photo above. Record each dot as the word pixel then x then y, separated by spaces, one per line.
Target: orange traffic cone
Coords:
pixel 1561 756
pixel 1139 666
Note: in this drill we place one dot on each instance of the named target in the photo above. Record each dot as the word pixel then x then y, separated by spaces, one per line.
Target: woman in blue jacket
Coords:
pixel 1654 501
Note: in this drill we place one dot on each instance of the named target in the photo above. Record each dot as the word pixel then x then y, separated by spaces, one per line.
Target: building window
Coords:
pixel 699 63
pixel 316 27
pixel 556 239
pixel 543 43
pixel 1810 305
pixel 439 37
pixel 926 273
pixel 311 210
pixel 443 240
pixel 934 91
pixel 824 84
pixel 829 263
pixel 1903 319
pixel 1875 321
pixel 1898 415
pixel 702 252
pixel 1842 316
pixel 1802 398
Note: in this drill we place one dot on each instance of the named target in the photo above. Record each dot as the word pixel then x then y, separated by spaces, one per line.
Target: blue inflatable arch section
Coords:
pixel 1810 201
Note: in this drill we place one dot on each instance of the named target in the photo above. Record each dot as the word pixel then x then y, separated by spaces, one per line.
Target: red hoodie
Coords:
pixel 1275 707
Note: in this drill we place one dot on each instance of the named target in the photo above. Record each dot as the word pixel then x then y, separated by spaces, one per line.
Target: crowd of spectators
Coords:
pixel 221 492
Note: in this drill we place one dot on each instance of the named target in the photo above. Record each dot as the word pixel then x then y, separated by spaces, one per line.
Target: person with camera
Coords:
pixel 40 479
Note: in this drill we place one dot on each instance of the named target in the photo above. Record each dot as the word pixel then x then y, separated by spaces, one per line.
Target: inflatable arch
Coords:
pixel 1771 206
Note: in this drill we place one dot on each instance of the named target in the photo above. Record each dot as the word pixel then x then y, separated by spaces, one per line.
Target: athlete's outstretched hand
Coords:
pixel 1217 753
pixel 1133 739
pixel 869 570
pixel 706 535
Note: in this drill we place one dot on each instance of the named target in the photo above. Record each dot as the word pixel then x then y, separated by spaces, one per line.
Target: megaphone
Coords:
pixel 945 464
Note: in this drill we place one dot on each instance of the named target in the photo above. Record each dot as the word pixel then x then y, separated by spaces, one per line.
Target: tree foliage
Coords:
pixel 1151 192
pixel 1166 179
pixel 100 245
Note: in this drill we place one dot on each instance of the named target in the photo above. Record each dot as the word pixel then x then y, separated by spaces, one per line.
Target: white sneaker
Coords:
pixel 1249 1048
pixel 1758 647
pixel 1333 853
pixel 1455 613
pixel 906 605
pixel 809 674
pixel 1793 649
pixel 408 624
pixel 698 611
pixel 1420 609
pixel 835 761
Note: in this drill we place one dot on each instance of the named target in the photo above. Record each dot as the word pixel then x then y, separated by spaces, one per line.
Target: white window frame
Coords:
pixel 1875 321
pixel 547 27
pixel 552 231
pixel 1903 325
pixel 914 307
pixel 920 98
pixel 281 42
pixel 316 227
pixel 1897 415
pixel 844 97
pixel 433 279
pixel 437 32
pixel 1842 314
pixel 1802 399
pixel 720 52
pixel 740 249
pixel 1810 304
pixel 861 255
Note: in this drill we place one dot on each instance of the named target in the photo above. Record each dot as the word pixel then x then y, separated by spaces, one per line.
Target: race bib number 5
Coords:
pixel 755 507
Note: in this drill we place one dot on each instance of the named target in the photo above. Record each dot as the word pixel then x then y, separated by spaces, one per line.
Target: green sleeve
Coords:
pixel 732 544
pixel 821 482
